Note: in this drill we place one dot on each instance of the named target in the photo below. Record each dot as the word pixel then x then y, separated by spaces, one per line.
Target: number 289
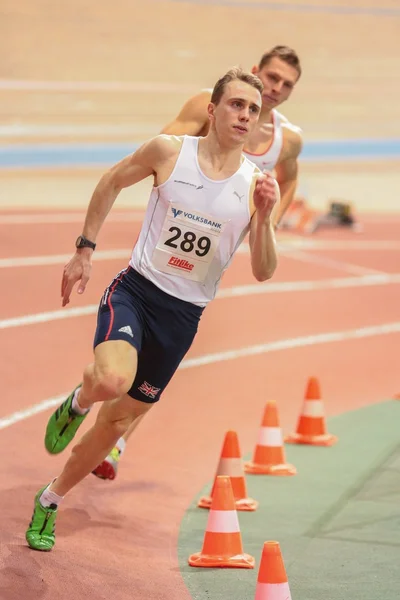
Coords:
pixel 188 242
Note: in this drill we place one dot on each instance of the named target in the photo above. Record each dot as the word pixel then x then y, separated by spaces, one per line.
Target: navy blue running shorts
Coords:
pixel 160 327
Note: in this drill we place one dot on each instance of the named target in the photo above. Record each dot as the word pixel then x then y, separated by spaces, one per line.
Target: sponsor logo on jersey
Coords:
pixel 180 263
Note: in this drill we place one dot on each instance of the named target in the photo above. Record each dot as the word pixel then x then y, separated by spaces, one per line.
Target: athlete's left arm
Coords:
pixel 286 173
pixel 264 258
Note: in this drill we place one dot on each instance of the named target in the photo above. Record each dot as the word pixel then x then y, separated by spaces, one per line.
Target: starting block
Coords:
pixel 339 215
pixel 301 219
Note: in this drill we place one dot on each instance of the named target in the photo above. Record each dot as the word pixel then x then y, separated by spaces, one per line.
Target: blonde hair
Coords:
pixel 234 74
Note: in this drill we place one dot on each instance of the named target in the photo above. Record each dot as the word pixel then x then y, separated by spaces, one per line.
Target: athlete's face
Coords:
pixel 236 114
pixel 278 79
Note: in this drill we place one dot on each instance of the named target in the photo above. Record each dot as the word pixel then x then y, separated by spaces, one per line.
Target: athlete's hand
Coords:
pixel 78 269
pixel 265 196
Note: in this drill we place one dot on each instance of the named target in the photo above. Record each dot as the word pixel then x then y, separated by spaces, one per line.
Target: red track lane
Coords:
pixel 58 238
pixel 38 289
pixel 60 346
pixel 122 535
pixel 381 260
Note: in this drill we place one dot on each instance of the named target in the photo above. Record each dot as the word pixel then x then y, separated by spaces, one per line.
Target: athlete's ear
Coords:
pixel 255 70
pixel 210 110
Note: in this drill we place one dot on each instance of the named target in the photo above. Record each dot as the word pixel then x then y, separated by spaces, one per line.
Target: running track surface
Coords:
pixel 123 535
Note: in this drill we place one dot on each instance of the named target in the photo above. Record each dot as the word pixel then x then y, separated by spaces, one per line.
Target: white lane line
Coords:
pixel 46 317
pixel 60 259
pixel 25 85
pixel 207 359
pixel 291 249
pixel 236 291
pixel 48 218
pixel 299 342
pixel 329 263
pixel 309 244
pixel 102 130
pixel 26 413
pixel 308 286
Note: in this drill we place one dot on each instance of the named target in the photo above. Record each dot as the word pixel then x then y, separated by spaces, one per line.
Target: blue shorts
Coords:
pixel 160 327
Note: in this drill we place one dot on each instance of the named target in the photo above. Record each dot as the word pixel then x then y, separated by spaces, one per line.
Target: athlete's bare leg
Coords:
pixel 107 380
pixel 112 422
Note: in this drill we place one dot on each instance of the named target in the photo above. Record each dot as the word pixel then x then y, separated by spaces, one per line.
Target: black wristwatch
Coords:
pixel 83 242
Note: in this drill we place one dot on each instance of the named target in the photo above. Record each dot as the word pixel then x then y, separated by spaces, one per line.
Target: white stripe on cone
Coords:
pixel 313 408
pixel 223 521
pixel 230 466
pixel 273 591
pixel 270 436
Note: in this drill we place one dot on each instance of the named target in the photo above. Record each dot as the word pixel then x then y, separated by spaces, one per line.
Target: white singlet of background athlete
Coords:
pixel 192 227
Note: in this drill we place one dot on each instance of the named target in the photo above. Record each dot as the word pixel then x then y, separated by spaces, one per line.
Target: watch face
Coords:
pixel 79 242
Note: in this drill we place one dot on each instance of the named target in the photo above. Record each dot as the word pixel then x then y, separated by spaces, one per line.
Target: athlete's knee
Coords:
pixel 110 383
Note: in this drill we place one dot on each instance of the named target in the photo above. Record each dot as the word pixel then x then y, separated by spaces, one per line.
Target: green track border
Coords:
pixel 338 539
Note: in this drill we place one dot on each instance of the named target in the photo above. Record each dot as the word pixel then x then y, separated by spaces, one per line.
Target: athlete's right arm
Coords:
pixel 130 170
pixel 192 118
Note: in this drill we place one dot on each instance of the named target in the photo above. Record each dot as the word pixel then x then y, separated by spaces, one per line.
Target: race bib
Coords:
pixel 187 244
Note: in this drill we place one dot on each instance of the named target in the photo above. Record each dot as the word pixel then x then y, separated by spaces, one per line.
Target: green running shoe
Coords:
pixel 40 534
pixel 62 426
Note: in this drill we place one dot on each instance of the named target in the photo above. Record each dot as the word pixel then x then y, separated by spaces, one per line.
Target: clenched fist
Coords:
pixel 266 195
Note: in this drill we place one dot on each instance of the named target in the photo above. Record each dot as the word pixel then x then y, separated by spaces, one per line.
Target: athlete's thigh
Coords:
pixel 119 332
pixel 117 358
pixel 160 357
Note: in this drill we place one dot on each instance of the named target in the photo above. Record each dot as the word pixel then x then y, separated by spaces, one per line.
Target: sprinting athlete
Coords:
pixel 273 145
pixel 206 197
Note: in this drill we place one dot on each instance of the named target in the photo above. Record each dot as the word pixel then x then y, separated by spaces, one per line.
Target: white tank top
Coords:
pixel 268 160
pixel 192 227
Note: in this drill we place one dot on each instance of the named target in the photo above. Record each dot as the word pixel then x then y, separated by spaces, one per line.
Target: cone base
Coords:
pixel 240 561
pixel 273 591
pixel 284 469
pixel 326 439
pixel 248 504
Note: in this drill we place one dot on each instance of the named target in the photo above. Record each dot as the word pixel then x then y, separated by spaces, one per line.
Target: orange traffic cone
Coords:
pixel 222 545
pixel 230 463
pixel 272 582
pixel 311 428
pixel 269 453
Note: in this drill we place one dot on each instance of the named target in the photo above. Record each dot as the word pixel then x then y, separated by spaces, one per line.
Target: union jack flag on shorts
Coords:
pixel 149 390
